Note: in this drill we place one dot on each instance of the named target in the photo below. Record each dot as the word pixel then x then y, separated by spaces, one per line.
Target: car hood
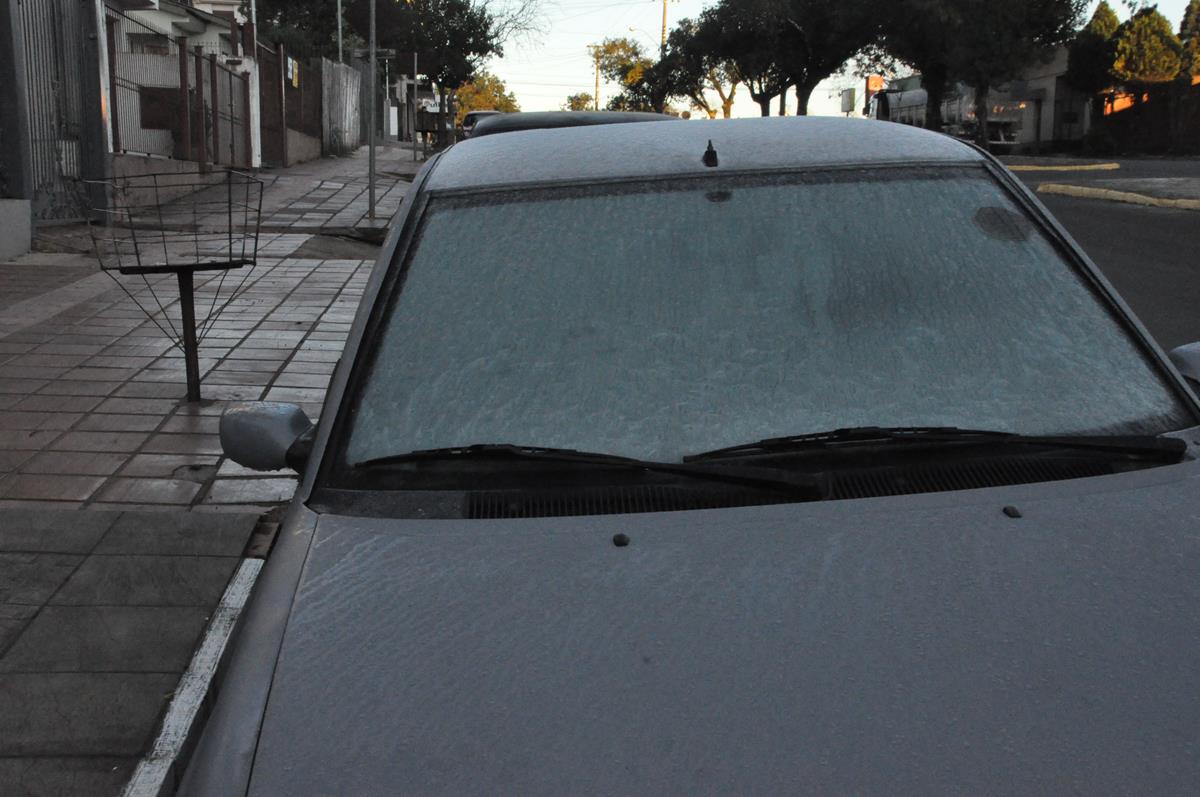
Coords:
pixel 926 643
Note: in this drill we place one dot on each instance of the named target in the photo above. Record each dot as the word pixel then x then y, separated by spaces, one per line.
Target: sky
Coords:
pixel 543 70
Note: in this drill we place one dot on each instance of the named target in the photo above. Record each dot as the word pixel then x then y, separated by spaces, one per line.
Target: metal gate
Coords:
pixel 270 97
pixel 55 53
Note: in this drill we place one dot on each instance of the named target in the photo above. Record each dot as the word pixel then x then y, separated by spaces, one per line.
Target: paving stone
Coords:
pixel 50 421
pixel 147 581
pixel 186 467
pixel 183 444
pixel 65 714
pixel 25 439
pixel 148 491
pixel 13 619
pixel 75 463
pixel 178 534
pixel 138 406
pixel 107 639
pixel 193 424
pixel 46 776
pixel 57 403
pixel 52 532
pixel 100 441
pixel 251 491
pixel 31 578
pixel 119 423
pixel 11 460
pixel 68 387
pixel 49 487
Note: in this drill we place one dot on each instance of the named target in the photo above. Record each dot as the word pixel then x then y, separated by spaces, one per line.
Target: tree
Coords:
pixel 747 36
pixel 484 92
pixel 579 102
pixel 1189 36
pixel 921 33
pixel 696 68
pixel 645 84
pixel 1147 50
pixel 1002 39
pixel 1091 55
pixel 818 37
pixel 305 27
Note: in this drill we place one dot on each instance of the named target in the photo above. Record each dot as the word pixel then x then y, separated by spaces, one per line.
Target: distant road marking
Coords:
pixel 150 777
pixel 1085 167
pixel 1110 195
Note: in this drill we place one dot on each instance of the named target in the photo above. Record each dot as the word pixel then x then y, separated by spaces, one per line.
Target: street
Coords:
pixel 1149 254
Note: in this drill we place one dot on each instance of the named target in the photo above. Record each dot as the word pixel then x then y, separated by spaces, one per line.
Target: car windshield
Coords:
pixel 662 318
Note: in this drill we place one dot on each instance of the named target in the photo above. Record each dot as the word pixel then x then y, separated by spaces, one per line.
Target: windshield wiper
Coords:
pixel 801 486
pixel 1166 449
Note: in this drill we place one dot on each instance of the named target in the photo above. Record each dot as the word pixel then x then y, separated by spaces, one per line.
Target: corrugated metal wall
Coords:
pixel 53 32
pixel 341 95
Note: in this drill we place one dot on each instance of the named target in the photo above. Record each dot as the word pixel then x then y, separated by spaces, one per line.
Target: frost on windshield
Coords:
pixel 657 321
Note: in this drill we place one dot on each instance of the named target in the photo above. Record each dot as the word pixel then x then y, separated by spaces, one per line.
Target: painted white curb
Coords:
pixel 150 779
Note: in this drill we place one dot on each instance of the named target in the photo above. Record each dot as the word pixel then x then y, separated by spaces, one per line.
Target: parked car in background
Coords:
pixel 473 117
pixel 761 456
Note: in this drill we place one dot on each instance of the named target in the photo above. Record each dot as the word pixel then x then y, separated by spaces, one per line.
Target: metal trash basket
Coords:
pixel 181 224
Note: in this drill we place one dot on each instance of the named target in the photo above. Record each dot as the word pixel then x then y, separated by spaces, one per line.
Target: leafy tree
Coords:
pixel 696 69
pixel 1091 55
pixel 305 27
pixel 747 36
pixel 1147 50
pixel 1189 36
pixel 579 102
pixel 484 92
pixel 818 37
pixel 921 33
pixel 1004 38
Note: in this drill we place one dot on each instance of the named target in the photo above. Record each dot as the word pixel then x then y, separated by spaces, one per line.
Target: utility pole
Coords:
pixel 595 49
pixel 662 47
pixel 371 126
pixel 341 60
pixel 254 14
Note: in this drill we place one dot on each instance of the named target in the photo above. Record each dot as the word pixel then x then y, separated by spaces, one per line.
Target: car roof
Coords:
pixel 618 151
pixel 543 120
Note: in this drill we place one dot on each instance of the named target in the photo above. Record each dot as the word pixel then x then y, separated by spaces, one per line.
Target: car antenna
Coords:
pixel 710 155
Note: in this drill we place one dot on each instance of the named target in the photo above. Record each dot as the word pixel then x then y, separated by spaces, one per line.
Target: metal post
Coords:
pixel 413 105
pixel 663 46
pixel 185 103
pixel 281 59
pixel 202 154
pixel 114 97
pixel 341 60
pixel 371 128
pixel 191 352
pixel 216 107
pixel 247 133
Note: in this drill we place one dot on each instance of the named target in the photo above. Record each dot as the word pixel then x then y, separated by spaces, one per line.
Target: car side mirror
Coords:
pixel 1187 359
pixel 261 434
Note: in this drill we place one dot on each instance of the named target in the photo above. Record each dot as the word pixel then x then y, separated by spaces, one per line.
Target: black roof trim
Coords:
pixel 540 120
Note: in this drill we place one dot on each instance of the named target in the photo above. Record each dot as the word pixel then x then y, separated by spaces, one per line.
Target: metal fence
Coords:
pixel 144 75
pixel 54 53
pixel 174 101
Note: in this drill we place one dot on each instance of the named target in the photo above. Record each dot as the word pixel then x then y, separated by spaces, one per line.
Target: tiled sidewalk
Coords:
pixel 99 615
pixel 91 414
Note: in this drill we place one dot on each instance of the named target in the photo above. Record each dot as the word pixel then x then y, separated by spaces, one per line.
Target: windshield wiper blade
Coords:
pixel 803 486
pixel 1145 446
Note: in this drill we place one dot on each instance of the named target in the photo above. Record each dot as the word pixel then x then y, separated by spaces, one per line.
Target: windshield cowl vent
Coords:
pixel 844 484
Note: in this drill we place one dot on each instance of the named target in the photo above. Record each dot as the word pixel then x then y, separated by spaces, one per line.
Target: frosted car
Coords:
pixel 763 456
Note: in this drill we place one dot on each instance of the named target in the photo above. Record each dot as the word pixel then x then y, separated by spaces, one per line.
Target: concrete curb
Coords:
pixel 1083 167
pixel 1108 194
pixel 156 775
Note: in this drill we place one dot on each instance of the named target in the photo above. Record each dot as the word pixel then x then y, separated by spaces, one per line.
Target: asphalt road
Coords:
pixel 1151 255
